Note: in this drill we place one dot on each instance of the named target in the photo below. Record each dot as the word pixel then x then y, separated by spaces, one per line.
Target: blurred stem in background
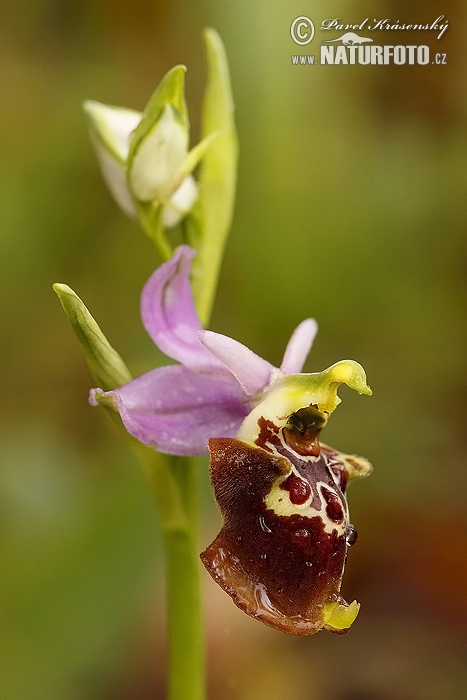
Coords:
pixel 145 160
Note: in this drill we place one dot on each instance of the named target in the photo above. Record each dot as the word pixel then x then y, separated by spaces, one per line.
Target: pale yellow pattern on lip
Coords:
pixel 278 499
pixel 279 502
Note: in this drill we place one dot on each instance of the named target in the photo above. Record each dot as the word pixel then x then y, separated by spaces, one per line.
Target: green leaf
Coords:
pixel 106 365
pixel 209 222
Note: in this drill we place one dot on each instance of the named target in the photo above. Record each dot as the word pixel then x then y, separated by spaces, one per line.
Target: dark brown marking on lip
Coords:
pixel 337 467
pixel 315 471
pixel 268 432
pixel 299 489
pixel 334 509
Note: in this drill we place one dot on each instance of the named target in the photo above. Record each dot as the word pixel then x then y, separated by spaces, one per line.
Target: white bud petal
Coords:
pixel 158 161
pixel 110 129
pixel 112 126
pixel 180 203
pixel 114 174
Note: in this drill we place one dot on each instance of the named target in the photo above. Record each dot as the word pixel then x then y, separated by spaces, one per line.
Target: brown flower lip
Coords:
pixel 281 552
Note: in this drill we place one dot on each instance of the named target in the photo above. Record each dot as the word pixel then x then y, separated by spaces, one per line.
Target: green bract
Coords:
pixel 209 221
pixel 106 365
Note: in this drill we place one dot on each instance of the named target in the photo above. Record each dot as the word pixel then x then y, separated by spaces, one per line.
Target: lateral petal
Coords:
pixel 299 346
pixel 253 373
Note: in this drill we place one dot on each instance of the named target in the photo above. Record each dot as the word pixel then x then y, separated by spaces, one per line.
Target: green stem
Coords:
pixel 186 636
pixel 150 217
pixel 175 485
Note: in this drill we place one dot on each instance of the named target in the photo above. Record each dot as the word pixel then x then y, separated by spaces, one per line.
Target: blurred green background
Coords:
pixel 351 208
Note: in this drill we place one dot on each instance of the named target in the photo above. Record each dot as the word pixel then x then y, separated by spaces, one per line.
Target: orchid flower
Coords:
pixel 177 408
pixel 281 552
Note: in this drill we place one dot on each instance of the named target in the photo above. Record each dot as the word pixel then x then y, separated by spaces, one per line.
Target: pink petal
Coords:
pixel 253 373
pixel 299 346
pixel 169 313
pixel 176 409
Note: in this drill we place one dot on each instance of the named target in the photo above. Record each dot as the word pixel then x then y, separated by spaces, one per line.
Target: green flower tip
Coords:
pixel 287 395
pixel 348 372
pixel 320 388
